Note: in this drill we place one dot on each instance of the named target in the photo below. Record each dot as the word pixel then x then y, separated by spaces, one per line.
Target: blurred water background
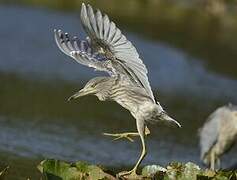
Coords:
pixel 189 48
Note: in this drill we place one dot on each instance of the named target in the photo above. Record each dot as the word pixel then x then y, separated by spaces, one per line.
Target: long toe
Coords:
pixel 129 175
pixel 118 136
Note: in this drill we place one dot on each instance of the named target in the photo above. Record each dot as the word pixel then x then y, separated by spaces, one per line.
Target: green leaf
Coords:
pixel 60 170
pixel 191 171
pixel 174 170
pixel 225 175
pixel 55 169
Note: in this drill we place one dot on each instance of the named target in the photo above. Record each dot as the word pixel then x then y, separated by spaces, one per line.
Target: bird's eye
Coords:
pixel 93 85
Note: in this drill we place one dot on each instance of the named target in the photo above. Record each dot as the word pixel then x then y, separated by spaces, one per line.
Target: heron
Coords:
pixel 107 49
pixel 218 134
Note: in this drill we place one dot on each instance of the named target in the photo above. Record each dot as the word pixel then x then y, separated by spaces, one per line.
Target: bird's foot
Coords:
pixel 121 135
pixel 127 135
pixel 129 175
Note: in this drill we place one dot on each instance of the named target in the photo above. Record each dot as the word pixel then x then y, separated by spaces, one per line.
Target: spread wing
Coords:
pixel 105 36
pixel 80 50
pixel 106 49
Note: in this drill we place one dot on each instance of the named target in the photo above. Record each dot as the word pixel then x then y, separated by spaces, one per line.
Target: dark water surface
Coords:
pixel 37 122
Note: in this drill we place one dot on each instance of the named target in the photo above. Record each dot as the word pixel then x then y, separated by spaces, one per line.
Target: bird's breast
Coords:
pixel 135 102
pixel 140 110
pixel 147 111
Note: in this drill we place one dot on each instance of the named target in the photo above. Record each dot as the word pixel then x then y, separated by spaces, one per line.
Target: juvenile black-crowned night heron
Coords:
pixel 218 134
pixel 107 49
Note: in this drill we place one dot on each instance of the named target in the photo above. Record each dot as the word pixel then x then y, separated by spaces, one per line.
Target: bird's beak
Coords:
pixel 80 93
pixel 170 120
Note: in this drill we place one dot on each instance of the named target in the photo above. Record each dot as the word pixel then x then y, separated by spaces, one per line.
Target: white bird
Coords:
pixel 218 134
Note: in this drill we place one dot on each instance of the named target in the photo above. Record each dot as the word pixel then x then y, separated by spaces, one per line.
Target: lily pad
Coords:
pixel 191 171
pixel 188 171
pixel 60 170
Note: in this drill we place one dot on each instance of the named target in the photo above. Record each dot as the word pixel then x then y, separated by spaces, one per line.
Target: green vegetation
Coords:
pixel 59 170
pixel 55 169
pixel 80 170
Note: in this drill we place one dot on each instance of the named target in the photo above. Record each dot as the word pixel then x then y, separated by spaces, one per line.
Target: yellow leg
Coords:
pixel 127 135
pixel 132 174
pixel 218 163
pixel 212 160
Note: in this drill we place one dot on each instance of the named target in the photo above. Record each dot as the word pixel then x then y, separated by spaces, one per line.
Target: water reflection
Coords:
pixel 36 79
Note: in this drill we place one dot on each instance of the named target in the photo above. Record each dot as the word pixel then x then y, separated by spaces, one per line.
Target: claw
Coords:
pixel 127 135
pixel 123 136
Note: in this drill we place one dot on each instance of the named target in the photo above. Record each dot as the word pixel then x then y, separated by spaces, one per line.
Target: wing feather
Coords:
pixel 117 36
pixel 92 20
pixel 112 30
pixel 106 26
pixel 79 50
pixel 99 23
pixel 105 43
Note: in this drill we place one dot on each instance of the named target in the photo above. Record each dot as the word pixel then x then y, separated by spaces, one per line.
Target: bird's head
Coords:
pixel 92 87
pixel 163 116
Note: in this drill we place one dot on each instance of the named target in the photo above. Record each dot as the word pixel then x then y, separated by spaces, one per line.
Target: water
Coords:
pixel 36 79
